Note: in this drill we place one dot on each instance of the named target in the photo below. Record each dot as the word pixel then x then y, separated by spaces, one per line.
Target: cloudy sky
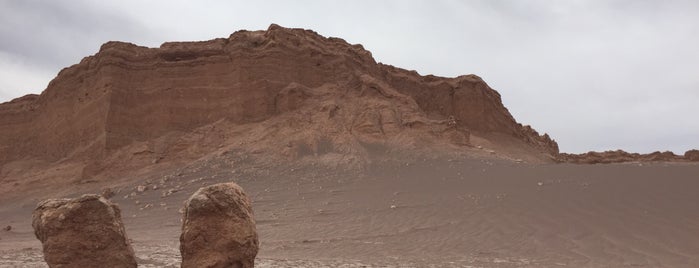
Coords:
pixel 595 75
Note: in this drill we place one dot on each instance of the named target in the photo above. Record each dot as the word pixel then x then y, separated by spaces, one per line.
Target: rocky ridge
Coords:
pixel 287 92
pixel 621 156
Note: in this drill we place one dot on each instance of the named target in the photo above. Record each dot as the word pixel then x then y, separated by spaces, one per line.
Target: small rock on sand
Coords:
pixel 107 193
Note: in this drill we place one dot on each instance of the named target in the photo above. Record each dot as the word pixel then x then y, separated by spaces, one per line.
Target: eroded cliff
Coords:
pixel 286 91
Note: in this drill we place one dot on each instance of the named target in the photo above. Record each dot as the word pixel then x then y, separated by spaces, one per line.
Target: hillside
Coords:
pixel 286 93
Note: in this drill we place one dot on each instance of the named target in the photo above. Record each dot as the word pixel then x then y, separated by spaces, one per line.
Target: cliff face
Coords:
pixel 293 80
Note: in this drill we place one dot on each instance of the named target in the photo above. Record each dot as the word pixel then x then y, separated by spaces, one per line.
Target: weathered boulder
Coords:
pixel 218 228
pixel 82 232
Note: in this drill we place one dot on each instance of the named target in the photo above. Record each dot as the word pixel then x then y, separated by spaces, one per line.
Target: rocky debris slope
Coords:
pixel 82 232
pixel 620 156
pixel 218 228
pixel 288 92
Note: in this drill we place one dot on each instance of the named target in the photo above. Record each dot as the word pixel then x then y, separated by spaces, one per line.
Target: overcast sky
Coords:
pixel 595 75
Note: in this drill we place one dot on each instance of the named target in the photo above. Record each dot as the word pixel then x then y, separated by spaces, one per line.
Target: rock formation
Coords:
pixel 82 232
pixel 620 156
pixel 218 228
pixel 309 94
pixel 692 155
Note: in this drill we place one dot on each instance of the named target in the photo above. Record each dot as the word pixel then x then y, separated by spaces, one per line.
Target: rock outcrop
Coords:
pixel 620 156
pixel 82 232
pixel 218 228
pixel 139 103
pixel 692 155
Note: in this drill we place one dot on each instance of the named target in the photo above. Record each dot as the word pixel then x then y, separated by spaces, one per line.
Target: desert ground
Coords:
pixel 419 211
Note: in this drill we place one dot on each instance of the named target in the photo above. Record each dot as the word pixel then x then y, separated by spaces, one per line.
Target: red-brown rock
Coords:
pixel 619 156
pixel 218 228
pixel 128 106
pixel 692 155
pixel 82 232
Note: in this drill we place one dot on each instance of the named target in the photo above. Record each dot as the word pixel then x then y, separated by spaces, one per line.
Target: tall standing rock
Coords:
pixel 218 228
pixel 82 232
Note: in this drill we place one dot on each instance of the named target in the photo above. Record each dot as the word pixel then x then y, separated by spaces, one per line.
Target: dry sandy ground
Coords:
pixel 421 212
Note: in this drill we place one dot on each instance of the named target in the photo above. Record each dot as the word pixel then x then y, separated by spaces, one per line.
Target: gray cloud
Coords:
pixel 49 32
pixel 596 75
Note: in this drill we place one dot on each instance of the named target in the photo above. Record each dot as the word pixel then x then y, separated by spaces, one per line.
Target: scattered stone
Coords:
pixel 155 187
pixel 169 192
pixel 82 232
pixel 141 188
pixel 8 228
pixel 107 193
pixel 540 183
pixel 218 228
pixel 393 206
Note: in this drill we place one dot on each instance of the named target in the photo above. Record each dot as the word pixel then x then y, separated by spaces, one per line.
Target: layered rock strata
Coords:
pixel 333 91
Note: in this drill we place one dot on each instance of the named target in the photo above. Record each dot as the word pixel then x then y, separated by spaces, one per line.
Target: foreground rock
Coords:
pixel 82 232
pixel 218 228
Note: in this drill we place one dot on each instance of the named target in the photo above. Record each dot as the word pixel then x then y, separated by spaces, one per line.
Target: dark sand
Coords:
pixel 436 212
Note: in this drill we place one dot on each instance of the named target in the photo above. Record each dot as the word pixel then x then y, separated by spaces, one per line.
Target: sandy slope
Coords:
pixel 446 211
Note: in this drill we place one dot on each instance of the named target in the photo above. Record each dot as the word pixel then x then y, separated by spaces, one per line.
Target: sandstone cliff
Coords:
pixel 290 91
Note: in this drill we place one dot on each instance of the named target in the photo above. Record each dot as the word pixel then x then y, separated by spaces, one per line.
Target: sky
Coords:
pixel 595 75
